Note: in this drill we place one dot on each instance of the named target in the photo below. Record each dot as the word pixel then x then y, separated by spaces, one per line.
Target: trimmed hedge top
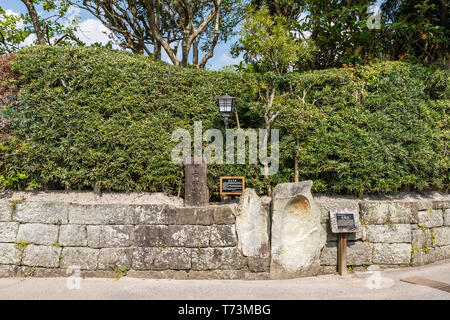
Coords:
pixel 90 117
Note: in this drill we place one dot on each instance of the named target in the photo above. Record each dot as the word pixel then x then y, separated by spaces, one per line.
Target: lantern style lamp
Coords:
pixel 226 106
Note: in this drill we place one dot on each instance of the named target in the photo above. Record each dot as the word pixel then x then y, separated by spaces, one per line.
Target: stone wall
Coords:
pixel 393 233
pixel 50 238
pixel 259 238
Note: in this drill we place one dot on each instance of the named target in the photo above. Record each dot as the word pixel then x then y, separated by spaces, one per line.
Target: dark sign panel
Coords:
pixel 345 220
pixel 232 185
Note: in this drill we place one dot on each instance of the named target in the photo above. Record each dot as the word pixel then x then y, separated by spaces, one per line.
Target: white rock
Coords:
pixel 252 221
pixel 297 235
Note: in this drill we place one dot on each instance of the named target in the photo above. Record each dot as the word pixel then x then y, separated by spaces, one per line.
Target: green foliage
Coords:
pixel 339 30
pixel 58 28
pixel 16 180
pixel 10 33
pixel 371 129
pixel 419 30
pixel 21 245
pixel 409 29
pixel 268 44
pixel 91 116
pixel 121 272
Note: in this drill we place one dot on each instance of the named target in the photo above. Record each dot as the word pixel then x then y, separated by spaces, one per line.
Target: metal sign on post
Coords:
pixel 342 222
pixel 232 185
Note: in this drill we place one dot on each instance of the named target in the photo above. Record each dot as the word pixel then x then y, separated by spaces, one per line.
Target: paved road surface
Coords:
pixel 355 286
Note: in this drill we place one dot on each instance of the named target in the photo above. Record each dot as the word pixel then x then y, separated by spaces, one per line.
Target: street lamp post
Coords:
pixel 226 106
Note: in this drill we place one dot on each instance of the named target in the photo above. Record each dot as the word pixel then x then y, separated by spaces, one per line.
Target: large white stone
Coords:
pixel 447 217
pixel 5 211
pixel 8 231
pixel 41 256
pixel 252 225
pixel 36 233
pixel 383 212
pixel 9 254
pixel 441 236
pixel 83 258
pixel 41 212
pixel 392 253
pixel 431 218
pixel 111 236
pixel 72 235
pixel 297 235
pixel 389 233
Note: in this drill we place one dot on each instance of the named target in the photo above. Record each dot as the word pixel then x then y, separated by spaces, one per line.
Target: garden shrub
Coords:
pixel 93 117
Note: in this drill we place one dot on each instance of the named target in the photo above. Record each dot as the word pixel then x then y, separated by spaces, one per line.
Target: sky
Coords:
pixel 92 30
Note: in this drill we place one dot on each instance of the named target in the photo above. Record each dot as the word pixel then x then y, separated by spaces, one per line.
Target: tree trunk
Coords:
pixel 210 53
pixel 195 52
pixel 185 48
pixel 35 19
pixel 266 163
pixel 156 44
pixel 156 50
pixel 443 13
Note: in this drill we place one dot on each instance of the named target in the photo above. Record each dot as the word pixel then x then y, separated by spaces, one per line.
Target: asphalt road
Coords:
pixel 383 285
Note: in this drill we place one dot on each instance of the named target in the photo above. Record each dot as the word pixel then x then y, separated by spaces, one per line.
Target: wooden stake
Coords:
pixel 342 253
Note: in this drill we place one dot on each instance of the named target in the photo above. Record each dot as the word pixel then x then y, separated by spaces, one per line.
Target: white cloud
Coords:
pixel 223 60
pixel 9 12
pixel 165 57
pixel 91 31
pixel 29 40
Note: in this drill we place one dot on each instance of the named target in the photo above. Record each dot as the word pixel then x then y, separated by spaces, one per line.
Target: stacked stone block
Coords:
pixel 50 238
pixel 216 242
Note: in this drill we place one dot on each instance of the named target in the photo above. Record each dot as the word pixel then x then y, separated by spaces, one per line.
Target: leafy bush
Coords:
pixel 92 117
pixel 376 128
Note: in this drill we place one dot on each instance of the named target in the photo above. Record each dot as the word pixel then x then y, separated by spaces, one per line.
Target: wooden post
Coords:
pixel 342 253
pixel 195 190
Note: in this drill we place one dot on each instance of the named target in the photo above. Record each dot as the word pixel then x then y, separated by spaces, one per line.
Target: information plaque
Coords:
pixel 232 185
pixel 344 221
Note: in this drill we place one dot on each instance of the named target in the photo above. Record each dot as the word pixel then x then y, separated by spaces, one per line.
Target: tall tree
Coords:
pixel 51 26
pixel 339 28
pixel 147 26
pixel 35 20
pixel 272 50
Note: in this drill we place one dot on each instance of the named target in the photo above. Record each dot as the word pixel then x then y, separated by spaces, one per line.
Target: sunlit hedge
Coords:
pixel 94 117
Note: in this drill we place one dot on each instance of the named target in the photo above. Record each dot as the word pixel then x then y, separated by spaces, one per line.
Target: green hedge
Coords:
pixel 94 117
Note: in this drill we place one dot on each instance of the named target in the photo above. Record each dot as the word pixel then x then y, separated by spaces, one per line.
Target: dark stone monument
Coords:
pixel 195 188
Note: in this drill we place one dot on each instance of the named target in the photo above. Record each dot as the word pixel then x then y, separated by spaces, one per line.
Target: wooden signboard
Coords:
pixel 344 221
pixel 232 185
